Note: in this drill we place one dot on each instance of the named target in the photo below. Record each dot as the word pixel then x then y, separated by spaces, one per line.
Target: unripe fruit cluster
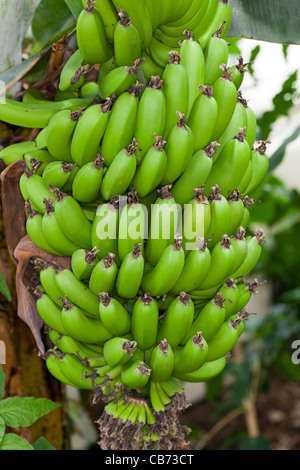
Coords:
pixel 165 140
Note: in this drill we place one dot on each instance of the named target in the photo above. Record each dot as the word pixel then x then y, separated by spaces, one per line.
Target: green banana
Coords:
pixel 37 160
pixel 130 274
pixel 191 356
pixel 53 233
pixel 209 320
pixel 60 132
pixel 196 268
pixel 236 123
pixel 81 326
pixel 15 152
pixel 196 220
pixel 50 313
pixel 176 91
pixel 153 166
pixel 127 43
pixel 34 230
pixel 149 69
pixel 216 55
pixel 177 320
pixel 223 15
pixel 165 274
pixel 47 272
pixel 120 173
pixel 118 351
pixel 76 291
pixel 105 227
pixel 140 18
pixel 240 247
pixel 246 289
pixel 203 117
pixel 86 355
pixel 135 375
pixel 76 372
pixel 208 371
pixel 89 90
pixel 71 219
pixel 220 216
pixel 224 340
pixel 83 263
pixel 108 13
pixel 260 166
pixel 179 150
pixel 192 58
pixel 89 131
pixel 155 400
pixel 161 362
pixel 151 116
pixel 238 72
pixel 72 74
pixel 195 175
pixel 247 201
pixel 103 275
pixel 172 34
pixel 207 24
pixel 87 181
pixel 37 115
pixel 225 95
pixel 113 315
pixel 37 191
pixel 56 174
pixel 231 165
pixel 163 225
pixel 118 79
pixel 40 140
pixel 144 322
pixel 253 254
pixel 251 126
pixel 91 36
pixel 121 125
pixel 52 360
pixel 236 208
pixel 231 295
pixel 160 52
pixel 222 260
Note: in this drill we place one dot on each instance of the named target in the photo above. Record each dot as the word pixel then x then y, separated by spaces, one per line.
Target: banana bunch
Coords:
pixel 144 180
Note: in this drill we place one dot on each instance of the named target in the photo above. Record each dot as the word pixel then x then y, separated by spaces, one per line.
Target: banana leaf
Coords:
pixel 266 20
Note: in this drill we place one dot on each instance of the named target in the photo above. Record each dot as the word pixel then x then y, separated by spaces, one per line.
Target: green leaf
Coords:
pixel 2 429
pixel 51 16
pixel 267 20
pixel 284 366
pixel 19 411
pixel 255 443
pixel 283 103
pixel 2 382
pixel 278 155
pixel 16 73
pixel 4 290
pixel 254 54
pixel 14 442
pixel 75 7
pixel 42 444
